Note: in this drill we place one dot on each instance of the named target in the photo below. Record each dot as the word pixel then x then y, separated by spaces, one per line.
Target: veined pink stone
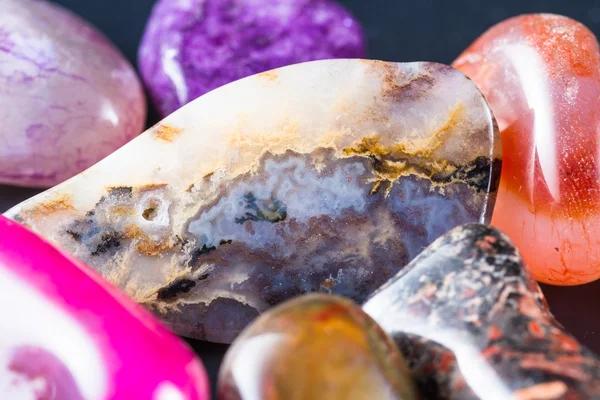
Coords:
pixel 69 335
pixel 68 98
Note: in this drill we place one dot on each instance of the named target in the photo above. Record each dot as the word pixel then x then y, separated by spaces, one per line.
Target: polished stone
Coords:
pixel 311 348
pixel 326 176
pixel 68 98
pixel 69 335
pixel 541 75
pixel 473 324
pixel 192 47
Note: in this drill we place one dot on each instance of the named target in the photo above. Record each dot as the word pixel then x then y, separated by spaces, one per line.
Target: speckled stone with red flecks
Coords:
pixel 541 75
pixel 474 324
pixel 68 98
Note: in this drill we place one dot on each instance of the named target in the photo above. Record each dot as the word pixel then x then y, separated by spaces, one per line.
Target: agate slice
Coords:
pixel 326 176
pixel 69 335
pixel 192 47
pixel 473 324
pixel 68 98
pixel 311 348
pixel 541 75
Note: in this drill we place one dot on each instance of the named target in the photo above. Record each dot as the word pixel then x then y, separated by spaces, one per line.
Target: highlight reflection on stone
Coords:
pixel 314 347
pixel 541 75
pixel 473 324
pixel 325 176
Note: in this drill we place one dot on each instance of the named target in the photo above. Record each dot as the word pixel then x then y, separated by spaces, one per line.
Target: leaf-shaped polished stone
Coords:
pixel 473 324
pixel 325 176
pixel 541 75
pixel 67 334
pixel 314 347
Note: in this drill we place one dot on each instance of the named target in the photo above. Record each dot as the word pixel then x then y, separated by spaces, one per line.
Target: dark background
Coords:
pixel 423 30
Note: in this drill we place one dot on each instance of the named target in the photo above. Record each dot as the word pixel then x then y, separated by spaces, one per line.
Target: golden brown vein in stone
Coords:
pixel 144 244
pixel 269 75
pixel 151 186
pixel 166 132
pixel 412 157
pixel 416 148
pixel 122 210
pixel 62 202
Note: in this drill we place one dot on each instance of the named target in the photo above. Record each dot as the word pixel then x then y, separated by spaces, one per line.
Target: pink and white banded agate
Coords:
pixel 67 334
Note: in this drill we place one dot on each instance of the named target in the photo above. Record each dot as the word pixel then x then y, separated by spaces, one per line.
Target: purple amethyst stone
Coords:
pixel 191 47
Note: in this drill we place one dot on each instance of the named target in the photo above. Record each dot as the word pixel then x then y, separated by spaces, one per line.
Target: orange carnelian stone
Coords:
pixel 541 75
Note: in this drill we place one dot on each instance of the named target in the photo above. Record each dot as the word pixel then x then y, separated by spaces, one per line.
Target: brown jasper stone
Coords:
pixel 314 347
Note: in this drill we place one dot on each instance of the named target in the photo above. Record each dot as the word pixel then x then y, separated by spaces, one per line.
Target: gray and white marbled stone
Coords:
pixel 326 176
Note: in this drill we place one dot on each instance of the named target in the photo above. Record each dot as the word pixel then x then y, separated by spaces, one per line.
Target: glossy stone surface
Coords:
pixel 326 176
pixel 541 75
pixel 68 98
pixel 67 334
pixel 311 348
pixel 473 324
pixel 192 47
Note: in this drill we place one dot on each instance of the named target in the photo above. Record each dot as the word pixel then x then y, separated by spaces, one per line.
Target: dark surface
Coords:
pixel 425 30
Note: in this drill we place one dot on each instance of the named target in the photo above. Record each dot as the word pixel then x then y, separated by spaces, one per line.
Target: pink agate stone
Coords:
pixel 67 334
pixel 68 98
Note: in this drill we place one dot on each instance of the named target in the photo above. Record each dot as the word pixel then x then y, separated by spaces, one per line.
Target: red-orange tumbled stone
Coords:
pixel 541 75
